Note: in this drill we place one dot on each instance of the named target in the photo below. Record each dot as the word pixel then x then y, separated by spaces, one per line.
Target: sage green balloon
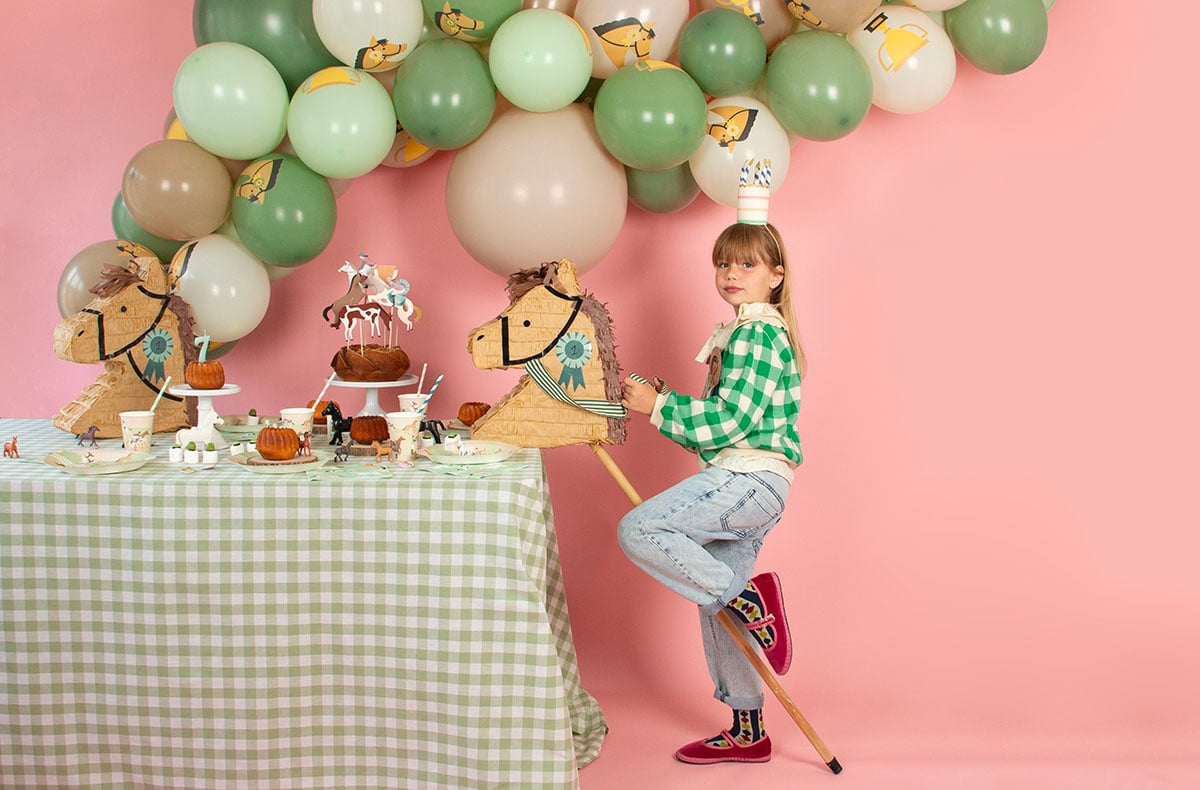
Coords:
pixel 473 21
pixel 999 36
pixel 662 191
pixel 651 115
pixel 231 100
pixel 341 122
pixel 280 30
pixel 540 60
pixel 723 51
pixel 443 95
pixel 818 86
pixel 283 212
pixel 126 227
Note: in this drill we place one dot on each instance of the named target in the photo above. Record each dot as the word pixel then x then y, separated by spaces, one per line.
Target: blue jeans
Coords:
pixel 700 538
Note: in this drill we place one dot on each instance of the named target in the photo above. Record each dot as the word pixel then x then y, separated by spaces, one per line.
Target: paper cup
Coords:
pixel 137 430
pixel 299 420
pixel 403 428
pixel 413 401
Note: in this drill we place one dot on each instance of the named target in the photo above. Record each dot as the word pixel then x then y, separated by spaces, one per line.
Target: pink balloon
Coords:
pixel 536 187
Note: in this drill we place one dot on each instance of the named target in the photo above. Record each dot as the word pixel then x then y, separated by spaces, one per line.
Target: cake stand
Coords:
pixel 204 407
pixel 372 407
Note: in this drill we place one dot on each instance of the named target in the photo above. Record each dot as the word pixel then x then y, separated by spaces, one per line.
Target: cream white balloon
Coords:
pixel 227 288
pixel 911 59
pixel 937 5
pixel 626 31
pixel 372 36
pixel 741 128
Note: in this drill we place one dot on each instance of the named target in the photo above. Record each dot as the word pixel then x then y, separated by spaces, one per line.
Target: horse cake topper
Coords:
pixel 142 332
pixel 562 337
pixel 754 192
pixel 375 295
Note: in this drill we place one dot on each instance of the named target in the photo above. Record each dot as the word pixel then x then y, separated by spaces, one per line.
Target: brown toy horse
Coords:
pixel 10 449
pixel 142 333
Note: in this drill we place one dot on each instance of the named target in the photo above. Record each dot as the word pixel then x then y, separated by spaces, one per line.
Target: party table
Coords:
pixel 175 626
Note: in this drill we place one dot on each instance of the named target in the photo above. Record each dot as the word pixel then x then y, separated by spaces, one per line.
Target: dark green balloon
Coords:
pixel 126 227
pixel 818 86
pixel 282 31
pixel 650 117
pixel 283 212
pixel 999 36
pixel 444 95
pixel 662 191
pixel 472 21
pixel 723 51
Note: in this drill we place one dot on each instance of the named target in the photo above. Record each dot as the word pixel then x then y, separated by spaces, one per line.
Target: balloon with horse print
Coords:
pixel 142 332
pixel 562 336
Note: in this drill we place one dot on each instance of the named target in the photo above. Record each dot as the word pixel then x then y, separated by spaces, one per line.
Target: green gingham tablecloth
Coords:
pixel 224 629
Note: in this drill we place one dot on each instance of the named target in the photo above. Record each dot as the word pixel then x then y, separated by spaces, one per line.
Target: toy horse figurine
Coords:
pixel 142 333
pixel 563 338
pixel 337 423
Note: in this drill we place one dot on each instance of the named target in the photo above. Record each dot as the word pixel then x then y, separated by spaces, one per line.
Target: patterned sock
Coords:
pixel 749 609
pixel 748 727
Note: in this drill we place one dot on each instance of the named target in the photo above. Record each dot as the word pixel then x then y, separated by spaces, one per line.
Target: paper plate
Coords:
pixel 97 461
pixel 236 429
pixel 475 452
pixel 253 462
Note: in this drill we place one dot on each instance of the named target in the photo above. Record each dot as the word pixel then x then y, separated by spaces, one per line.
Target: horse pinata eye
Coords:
pixel 525 323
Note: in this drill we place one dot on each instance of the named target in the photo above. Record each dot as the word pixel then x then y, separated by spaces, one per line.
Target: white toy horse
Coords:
pixel 201 434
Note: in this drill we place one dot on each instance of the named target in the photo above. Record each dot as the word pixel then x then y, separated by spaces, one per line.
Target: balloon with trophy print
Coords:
pixel 911 59
pixel 740 128
pixel 373 37
pixel 283 211
pixel 472 21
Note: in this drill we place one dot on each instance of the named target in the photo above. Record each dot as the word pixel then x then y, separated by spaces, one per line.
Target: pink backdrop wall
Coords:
pixel 991 546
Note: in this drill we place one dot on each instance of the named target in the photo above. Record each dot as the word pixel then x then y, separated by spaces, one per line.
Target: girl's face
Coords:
pixel 743 282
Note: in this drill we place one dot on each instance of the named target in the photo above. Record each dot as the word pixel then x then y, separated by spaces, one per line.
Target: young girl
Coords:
pixel 701 537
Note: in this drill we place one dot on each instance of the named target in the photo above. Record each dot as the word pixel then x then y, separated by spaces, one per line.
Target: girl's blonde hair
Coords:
pixel 745 242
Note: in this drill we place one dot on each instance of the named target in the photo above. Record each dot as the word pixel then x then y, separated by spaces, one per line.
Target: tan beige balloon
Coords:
pixel 774 20
pixel 536 187
pixel 836 16
pixel 177 190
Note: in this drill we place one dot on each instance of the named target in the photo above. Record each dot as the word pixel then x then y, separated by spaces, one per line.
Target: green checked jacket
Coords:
pixel 747 420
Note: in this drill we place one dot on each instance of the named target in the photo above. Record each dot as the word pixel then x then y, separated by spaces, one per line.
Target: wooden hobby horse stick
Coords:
pixel 738 637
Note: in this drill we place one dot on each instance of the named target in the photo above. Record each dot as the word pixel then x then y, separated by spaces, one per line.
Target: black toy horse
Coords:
pixel 337 423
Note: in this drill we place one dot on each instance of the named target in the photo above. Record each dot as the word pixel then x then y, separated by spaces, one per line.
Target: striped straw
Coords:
pixel 432 389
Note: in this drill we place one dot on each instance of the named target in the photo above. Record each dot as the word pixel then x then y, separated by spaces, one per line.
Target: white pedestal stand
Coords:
pixel 204 407
pixel 372 407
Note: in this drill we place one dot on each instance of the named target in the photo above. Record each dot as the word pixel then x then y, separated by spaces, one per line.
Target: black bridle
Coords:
pixel 509 361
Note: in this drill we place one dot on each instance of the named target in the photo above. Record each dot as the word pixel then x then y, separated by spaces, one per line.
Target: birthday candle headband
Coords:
pixel 754 191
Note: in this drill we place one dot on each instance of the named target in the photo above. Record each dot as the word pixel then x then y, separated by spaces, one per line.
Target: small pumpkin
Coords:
pixel 277 444
pixel 471 411
pixel 318 407
pixel 204 375
pixel 371 428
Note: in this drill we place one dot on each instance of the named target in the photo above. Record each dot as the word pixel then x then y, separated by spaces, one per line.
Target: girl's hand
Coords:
pixel 638 396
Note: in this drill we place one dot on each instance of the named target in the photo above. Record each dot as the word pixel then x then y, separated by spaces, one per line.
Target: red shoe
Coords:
pixel 779 653
pixel 703 753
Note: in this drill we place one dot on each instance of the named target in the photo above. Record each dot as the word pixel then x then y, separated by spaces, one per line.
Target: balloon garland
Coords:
pixel 613 101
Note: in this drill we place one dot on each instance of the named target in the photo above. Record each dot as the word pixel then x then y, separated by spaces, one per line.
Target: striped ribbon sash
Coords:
pixel 537 371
